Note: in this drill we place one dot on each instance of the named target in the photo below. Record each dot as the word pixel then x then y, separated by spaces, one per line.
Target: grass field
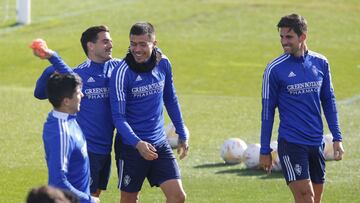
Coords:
pixel 218 49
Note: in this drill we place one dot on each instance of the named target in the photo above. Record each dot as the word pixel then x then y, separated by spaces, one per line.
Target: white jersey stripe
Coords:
pixel 120 75
pixel 119 79
pixel 265 86
pixel 268 71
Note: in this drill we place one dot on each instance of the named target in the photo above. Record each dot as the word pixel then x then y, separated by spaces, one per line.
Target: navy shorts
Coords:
pixel 133 168
pixel 301 162
pixel 100 167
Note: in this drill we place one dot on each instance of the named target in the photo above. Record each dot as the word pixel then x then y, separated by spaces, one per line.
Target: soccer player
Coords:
pixel 65 146
pixel 95 117
pixel 139 88
pixel 299 83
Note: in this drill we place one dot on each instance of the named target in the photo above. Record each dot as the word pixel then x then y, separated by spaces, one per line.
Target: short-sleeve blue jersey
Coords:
pixel 66 155
pixel 298 87
pixel 94 117
pixel 137 101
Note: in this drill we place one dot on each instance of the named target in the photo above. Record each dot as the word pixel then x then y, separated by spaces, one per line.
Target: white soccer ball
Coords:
pixel 232 150
pixel 328 150
pixel 252 155
pixel 276 165
pixel 171 135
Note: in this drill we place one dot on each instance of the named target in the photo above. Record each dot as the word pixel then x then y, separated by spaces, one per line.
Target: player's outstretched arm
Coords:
pixel 40 49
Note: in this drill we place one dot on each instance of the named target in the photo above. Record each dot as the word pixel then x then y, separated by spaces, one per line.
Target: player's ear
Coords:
pixel 90 46
pixel 303 37
pixel 65 101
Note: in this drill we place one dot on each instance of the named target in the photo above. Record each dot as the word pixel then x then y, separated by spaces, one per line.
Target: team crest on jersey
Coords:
pixel 298 169
pixel 127 180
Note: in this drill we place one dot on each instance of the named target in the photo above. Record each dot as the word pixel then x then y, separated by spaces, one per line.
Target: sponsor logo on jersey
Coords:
pixel 304 88
pixel 149 89
pixel 291 74
pixel 97 93
pixel 138 78
pixel 91 79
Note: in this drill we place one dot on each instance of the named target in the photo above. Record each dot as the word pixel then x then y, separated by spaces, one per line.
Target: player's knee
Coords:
pixel 177 198
pixel 306 194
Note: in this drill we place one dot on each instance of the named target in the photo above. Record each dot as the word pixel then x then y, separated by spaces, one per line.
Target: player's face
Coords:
pixel 290 41
pixel 141 47
pixel 74 102
pixel 102 48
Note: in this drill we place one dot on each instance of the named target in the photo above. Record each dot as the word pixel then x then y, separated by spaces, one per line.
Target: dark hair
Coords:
pixel 141 28
pixel 295 22
pixel 61 86
pixel 90 35
pixel 49 194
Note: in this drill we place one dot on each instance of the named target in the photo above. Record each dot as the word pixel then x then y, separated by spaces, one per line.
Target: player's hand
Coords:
pixel 266 162
pixel 95 199
pixel 146 150
pixel 40 49
pixel 338 150
pixel 183 148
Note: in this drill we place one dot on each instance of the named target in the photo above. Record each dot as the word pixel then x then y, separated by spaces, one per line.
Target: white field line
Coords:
pixel 350 100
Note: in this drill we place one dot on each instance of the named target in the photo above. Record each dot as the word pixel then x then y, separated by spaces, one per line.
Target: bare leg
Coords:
pixel 129 197
pixel 318 190
pixel 173 191
pixel 97 193
pixel 302 190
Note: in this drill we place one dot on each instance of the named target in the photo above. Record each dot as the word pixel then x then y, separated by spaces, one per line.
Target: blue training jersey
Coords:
pixel 137 101
pixel 298 87
pixel 94 116
pixel 66 155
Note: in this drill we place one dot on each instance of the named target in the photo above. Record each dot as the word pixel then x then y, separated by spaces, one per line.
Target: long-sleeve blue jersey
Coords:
pixel 94 117
pixel 137 101
pixel 298 87
pixel 66 155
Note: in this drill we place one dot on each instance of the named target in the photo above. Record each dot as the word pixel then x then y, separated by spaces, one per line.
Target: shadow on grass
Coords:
pixel 11 24
pixel 214 165
pixel 241 171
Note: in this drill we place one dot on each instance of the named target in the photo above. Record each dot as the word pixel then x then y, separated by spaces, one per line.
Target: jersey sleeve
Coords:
pixel 328 103
pixel 118 88
pixel 172 104
pixel 269 104
pixel 40 87
pixel 58 156
pixel 59 66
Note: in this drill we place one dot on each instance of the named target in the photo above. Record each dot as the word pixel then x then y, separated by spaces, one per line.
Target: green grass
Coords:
pixel 218 49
